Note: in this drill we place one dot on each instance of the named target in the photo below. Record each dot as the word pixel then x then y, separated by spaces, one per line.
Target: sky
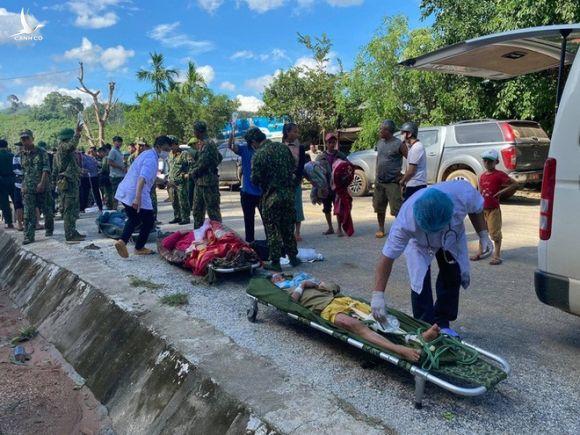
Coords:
pixel 237 45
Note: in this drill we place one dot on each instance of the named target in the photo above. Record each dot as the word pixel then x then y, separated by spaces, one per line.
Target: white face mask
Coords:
pixel 163 154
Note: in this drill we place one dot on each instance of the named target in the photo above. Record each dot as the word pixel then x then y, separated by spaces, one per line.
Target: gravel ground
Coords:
pixel 499 312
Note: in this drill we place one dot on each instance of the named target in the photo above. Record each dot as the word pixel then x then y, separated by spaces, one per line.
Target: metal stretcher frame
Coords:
pixel 421 376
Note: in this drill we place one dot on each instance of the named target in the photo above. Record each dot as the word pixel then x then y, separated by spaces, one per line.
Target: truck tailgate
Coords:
pixel 532 145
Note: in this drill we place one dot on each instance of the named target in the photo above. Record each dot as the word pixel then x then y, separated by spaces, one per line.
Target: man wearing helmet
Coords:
pixel 430 224
pixel 390 151
pixel 415 177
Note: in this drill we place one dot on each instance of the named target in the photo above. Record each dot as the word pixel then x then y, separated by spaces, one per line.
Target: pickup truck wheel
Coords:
pixel 463 174
pixel 360 184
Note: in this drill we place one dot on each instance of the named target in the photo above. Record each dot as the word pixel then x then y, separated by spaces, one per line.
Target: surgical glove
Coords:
pixel 379 307
pixel 465 280
pixel 485 243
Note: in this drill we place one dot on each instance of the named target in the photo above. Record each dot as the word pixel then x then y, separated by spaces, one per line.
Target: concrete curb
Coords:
pixel 155 368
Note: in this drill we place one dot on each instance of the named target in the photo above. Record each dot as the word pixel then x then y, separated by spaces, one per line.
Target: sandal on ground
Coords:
pixel 380 234
pixel 328 232
pixel 298 238
pixel 475 257
pixel 496 261
pixel 144 251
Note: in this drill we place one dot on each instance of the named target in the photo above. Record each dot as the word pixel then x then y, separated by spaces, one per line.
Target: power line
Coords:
pixel 39 74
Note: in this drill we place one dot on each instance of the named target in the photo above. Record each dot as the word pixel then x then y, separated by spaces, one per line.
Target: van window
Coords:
pixel 478 133
pixel 429 137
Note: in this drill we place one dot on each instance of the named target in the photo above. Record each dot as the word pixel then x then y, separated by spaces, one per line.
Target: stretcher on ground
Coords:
pixel 462 369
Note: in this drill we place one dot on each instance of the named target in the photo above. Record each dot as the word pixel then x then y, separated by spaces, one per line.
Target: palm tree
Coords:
pixel 162 78
pixel 193 80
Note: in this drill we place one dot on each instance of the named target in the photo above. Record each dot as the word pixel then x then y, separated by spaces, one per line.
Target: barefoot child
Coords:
pixel 325 300
pixel 492 184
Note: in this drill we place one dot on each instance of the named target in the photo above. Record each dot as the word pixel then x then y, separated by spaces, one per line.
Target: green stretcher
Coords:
pixel 460 367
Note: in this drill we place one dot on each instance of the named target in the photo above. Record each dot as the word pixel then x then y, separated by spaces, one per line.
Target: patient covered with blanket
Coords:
pixel 213 243
pixel 325 300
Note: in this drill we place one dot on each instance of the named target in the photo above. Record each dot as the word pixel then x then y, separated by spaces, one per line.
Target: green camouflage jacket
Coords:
pixel 65 163
pixel 205 165
pixel 273 169
pixel 179 166
pixel 34 163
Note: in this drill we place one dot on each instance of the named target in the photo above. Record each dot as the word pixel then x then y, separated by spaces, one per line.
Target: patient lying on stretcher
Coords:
pixel 325 300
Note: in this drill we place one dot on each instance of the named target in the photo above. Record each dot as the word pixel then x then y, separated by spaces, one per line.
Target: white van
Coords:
pixel 506 55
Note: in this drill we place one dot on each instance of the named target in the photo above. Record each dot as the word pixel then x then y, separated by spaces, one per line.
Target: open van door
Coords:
pixel 506 55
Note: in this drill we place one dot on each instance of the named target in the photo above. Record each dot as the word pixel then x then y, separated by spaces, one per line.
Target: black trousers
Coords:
pixel 89 184
pixel 410 190
pixel 147 220
pixel 249 205
pixel 447 288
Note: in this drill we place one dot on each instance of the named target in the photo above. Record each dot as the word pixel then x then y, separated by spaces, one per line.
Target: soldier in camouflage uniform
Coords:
pixel 179 165
pixel 273 171
pixel 36 191
pixel 192 150
pixel 204 172
pixel 66 172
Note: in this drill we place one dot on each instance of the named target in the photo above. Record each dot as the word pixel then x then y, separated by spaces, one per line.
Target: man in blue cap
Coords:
pixel 430 224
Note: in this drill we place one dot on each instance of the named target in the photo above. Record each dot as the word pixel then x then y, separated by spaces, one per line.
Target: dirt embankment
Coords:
pixel 40 396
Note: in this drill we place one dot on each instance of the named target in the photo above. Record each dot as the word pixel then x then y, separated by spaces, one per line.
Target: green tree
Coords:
pixel 162 78
pixel 307 94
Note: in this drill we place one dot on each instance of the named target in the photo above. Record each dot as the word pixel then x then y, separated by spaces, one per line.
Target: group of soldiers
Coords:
pixel 193 178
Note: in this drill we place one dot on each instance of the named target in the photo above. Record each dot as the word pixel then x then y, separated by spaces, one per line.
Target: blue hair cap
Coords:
pixel 433 210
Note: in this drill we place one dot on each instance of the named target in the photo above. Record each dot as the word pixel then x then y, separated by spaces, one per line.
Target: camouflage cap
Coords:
pixel 140 141
pixel 65 134
pixel 192 141
pixel 26 133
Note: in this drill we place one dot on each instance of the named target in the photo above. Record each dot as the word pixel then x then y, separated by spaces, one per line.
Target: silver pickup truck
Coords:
pixel 454 152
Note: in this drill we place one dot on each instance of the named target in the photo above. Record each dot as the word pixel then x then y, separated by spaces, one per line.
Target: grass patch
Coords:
pixel 448 416
pixel 25 334
pixel 175 300
pixel 138 282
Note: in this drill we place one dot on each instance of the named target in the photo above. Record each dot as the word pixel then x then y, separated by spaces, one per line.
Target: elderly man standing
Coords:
pixel 273 168
pixel 116 166
pixel 206 196
pixel 431 224
pixel 179 163
pixel 67 173
pixel 134 193
pixel 36 192
pixel 390 152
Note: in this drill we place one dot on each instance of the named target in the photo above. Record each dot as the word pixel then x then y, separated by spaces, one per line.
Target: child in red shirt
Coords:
pixel 492 184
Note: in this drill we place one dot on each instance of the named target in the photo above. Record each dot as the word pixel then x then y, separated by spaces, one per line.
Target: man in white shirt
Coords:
pixel 134 193
pixel 415 177
pixel 430 224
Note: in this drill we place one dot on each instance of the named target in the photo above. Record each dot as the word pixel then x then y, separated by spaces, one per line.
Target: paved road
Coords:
pixel 499 312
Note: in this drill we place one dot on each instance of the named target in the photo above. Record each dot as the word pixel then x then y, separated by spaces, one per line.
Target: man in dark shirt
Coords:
pixel 6 182
pixel 390 152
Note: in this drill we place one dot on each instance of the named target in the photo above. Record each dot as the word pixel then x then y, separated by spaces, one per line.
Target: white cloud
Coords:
pixel 210 5
pixel 10 25
pixel 94 14
pixel 262 6
pixel 228 86
pixel 110 59
pixel 207 73
pixel 35 95
pixel 169 37
pixel 259 83
pixel 275 55
pixel 243 54
pixel 249 103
